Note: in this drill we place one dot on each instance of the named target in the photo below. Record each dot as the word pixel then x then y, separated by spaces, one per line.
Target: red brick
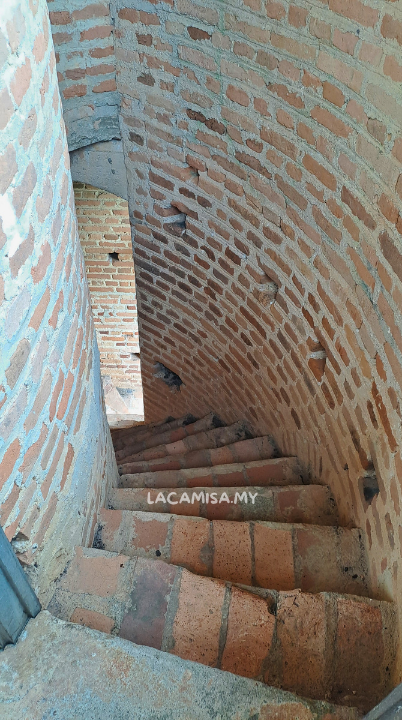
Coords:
pixel 93 10
pixel 200 598
pixel 335 125
pixel 302 636
pixel 249 634
pixel 320 172
pixel 92 619
pixel 189 545
pixel 21 81
pixel 8 462
pixel 273 558
pixel 93 575
pixel 238 96
pixel 391 28
pixel 96 33
pixel 232 552
pixel 355 10
pixel 40 310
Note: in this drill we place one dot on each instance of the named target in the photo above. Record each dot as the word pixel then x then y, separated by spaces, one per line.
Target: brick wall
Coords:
pixel 263 145
pixel 86 66
pixel 104 231
pixel 56 458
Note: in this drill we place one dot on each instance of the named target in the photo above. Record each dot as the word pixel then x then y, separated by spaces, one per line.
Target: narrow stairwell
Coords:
pixel 218 551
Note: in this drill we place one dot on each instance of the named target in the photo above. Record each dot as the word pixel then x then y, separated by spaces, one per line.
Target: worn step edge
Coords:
pixel 208 422
pixel 261 448
pixel 282 556
pixel 121 435
pixel 204 440
pixel 290 612
pixel 276 471
pixel 311 504
pixel 127 434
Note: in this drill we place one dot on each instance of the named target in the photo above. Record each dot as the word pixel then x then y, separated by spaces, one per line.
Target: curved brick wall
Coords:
pixel 264 151
pixel 86 66
pixel 56 459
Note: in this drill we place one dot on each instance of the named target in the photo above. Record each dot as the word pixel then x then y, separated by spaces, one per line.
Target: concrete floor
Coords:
pixel 61 671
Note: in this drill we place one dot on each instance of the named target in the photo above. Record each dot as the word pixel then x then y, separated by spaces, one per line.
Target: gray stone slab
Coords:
pixel 390 708
pixel 61 671
pixel 101 165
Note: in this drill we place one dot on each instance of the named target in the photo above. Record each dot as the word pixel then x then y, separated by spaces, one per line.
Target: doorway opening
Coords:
pixel 105 235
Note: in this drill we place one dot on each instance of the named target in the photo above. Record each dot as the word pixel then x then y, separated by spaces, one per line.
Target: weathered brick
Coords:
pixel 355 10
pixel 8 462
pixel 320 172
pixel 18 362
pixel 21 81
pixel 238 96
pixel 24 191
pixel 8 168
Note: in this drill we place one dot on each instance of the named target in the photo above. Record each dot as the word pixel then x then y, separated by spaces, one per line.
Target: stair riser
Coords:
pixel 240 452
pixel 316 646
pixel 202 441
pixel 301 504
pixel 280 471
pixel 170 436
pixel 275 556
pixel 124 437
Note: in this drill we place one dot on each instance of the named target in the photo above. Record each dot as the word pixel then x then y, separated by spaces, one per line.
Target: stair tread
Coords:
pixel 165 517
pixel 263 553
pixel 204 440
pixel 218 551
pixel 126 434
pixel 166 436
pixel 279 471
pixel 292 503
pixel 121 560
pixel 241 451
pixel 271 639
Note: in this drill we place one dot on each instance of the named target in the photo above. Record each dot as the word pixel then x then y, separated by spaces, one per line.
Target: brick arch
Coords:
pixel 264 151
pixel 86 64
pixel 104 232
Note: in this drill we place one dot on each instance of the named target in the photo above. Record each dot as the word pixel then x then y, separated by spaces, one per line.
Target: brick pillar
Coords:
pixel 56 458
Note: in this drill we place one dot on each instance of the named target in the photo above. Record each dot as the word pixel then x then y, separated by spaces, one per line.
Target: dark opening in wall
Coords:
pixel 170 378
pixel 369 487
pixel 113 256
pixel 265 290
pixel 176 227
pixel 317 358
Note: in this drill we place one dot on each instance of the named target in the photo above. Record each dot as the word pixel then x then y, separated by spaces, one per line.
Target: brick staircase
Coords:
pixel 216 550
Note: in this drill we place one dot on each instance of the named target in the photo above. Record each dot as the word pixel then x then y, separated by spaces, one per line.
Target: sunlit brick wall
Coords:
pixel 56 458
pixel 104 231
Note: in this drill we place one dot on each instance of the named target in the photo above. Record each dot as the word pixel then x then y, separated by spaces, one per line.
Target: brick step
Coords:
pixel 326 645
pixel 209 422
pixel 312 504
pixel 126 435
pixel 261 448
pixel 277 471
pixel 201 441
pixel 265 554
